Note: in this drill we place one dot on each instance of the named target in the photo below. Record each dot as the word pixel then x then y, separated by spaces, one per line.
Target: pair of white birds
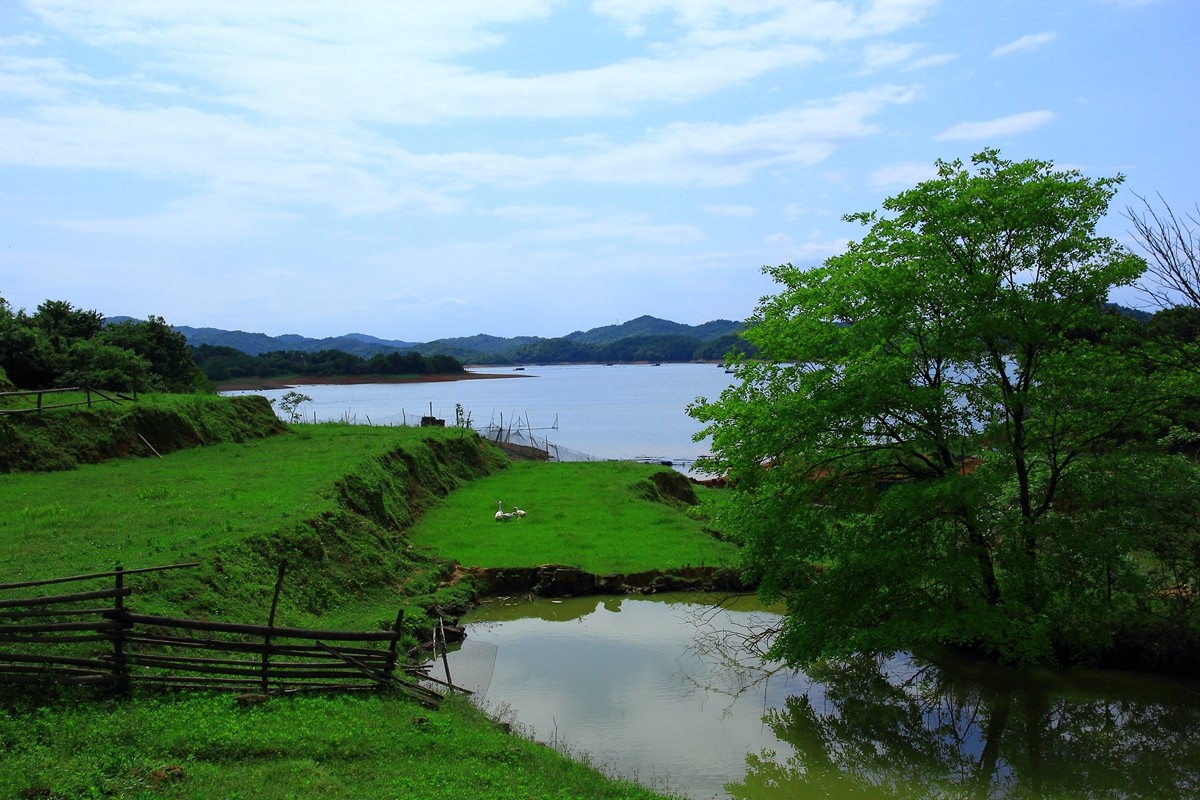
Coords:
pixel 502 516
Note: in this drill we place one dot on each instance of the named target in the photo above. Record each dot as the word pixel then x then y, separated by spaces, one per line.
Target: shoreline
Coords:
pixel 292 381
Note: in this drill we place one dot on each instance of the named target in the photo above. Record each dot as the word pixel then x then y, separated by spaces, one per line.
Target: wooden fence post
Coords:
pixel 121 679
pixel 389 665
pixel 441 633
pixel 266 657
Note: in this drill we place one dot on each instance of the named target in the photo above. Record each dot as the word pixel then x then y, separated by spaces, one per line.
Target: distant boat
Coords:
pixel 518 369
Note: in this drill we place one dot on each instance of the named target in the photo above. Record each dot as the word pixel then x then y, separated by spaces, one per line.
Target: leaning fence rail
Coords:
pixel 41 405
pixel 79 638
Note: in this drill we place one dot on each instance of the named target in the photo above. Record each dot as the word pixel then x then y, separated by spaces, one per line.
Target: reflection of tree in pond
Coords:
pixel 729 651
pixel 907 728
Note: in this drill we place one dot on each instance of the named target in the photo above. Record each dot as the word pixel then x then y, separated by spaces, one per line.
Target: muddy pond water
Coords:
pixel 659 689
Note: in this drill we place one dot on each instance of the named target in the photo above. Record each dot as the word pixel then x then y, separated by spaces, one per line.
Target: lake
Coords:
pixel 624 411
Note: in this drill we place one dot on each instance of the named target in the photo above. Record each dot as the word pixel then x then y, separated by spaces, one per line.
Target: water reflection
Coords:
pixel 907 728
pixel 655 688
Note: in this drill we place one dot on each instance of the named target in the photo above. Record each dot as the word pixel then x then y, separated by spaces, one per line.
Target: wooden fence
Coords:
pixel 101 397
pixel 91 637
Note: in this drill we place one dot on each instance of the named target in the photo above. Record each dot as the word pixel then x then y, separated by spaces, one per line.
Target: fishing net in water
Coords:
pixel 471 663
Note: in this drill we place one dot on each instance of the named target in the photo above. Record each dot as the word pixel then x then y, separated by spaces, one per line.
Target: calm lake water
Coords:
pixel 622 412
pixel 656 689
pixel 650 689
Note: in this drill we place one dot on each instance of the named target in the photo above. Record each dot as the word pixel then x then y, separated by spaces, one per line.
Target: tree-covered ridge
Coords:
pixel 645 338
pixel 227 363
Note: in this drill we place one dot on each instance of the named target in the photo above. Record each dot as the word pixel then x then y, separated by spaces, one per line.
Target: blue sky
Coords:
pixel 417 170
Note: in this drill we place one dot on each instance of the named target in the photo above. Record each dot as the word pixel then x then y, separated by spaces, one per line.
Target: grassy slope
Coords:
pixel 333 502
pixel 594 516
pixel 208 746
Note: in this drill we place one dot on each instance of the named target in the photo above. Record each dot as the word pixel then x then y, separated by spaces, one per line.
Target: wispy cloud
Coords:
pixel 1004 126
pixel 1029 42
pixel 712 22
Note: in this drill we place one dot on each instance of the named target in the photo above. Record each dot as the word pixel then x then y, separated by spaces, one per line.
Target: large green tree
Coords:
pixel 946 438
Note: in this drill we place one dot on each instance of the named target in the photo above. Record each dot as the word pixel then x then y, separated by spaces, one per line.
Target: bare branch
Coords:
pixel 1172 247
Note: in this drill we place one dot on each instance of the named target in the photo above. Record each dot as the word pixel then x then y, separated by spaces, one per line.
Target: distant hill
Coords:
pixel 653 326
pixel 648 338
pixel 358 344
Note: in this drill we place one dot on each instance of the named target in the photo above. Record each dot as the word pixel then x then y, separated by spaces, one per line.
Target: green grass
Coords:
pixel 151 511
pixel 592 515
pixel 243 508
pixel 209 746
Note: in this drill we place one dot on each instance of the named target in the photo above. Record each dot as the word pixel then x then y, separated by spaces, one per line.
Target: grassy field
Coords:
pixel 335 502
pixel 211 747
pixel 146 511
pixel 592 515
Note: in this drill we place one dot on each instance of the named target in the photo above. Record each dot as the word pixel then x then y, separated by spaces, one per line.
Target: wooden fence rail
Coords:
pixel 71 639
pixel 88 391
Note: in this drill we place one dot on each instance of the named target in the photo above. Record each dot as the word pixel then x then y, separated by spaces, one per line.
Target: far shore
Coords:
pixel 292 381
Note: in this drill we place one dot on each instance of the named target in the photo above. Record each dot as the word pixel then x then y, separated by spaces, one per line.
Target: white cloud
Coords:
pixel 715 154
pixel 400 64
pixel 935 60
pixel 1004 126
pixel 880 55
pixel 1029 42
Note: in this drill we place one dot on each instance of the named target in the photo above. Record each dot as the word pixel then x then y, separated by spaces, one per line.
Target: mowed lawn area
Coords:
pixel 592 515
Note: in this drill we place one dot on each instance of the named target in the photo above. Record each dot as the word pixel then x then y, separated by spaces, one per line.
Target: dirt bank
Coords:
pixel 560 580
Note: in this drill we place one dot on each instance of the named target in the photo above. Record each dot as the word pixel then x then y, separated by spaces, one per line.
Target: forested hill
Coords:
pixel 643 339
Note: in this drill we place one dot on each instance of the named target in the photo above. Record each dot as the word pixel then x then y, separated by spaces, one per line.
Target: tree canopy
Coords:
pixel 60 345
pixel 949 438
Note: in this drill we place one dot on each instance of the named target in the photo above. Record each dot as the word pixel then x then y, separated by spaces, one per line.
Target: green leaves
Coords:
pixel 927 406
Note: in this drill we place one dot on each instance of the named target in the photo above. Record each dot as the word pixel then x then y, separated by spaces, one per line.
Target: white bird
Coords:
pixel 500 515
pixel 517 512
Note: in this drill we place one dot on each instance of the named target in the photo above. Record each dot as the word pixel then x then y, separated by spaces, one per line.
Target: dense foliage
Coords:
pixel 225 363
pixel 951 439
pixel 60 345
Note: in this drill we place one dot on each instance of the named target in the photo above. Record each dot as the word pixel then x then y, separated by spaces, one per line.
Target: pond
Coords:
pixel 661 690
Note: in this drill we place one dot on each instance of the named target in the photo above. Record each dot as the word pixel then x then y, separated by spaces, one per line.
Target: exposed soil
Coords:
pixel 559 580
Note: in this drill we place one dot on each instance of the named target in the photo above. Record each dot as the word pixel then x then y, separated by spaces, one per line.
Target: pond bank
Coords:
pixel 562 580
